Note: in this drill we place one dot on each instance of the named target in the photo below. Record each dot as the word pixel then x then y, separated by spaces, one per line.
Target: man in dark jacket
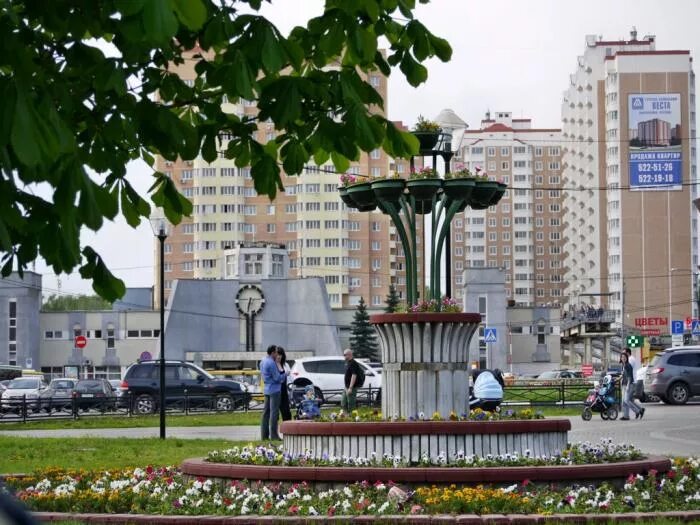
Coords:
pixel 352 372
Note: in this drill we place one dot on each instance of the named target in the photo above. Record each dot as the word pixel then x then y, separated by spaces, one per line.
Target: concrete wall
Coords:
pixel 490 284
pixel 528 356
pixel 26 292
pixel 202 317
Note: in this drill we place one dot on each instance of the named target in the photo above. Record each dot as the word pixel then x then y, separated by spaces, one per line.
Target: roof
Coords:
pixel 450 119
pixel 633 53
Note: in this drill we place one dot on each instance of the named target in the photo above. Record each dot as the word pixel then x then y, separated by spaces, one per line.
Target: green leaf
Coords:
pixel 191 13
pixel 209 152
pixel 272 51
pixel 294 157
pixel 441 47
pixel 415 73
pixel 7 110
pixel 266 176
pixel 107 200
pixel 340 162
pixel 159 21
pixel 129 7
pixel 32 138
pixel 321 157
pixel 90 212
pixel 105 284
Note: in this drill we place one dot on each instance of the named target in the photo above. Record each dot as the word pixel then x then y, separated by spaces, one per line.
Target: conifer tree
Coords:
pixel 392 300
pixel 363 340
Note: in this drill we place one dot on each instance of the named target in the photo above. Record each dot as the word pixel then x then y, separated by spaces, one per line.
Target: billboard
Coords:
pixel 655 137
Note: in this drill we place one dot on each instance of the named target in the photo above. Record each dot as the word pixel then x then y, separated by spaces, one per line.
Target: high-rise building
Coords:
pixel 355 253
pixel 522 233
pixel 630 174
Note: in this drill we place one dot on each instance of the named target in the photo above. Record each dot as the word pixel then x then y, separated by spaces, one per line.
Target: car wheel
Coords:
pixel 679 393
pixel 224 403
pixel 144 404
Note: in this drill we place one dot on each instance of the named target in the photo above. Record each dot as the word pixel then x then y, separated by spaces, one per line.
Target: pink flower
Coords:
pixel 415 509
pixel 477 169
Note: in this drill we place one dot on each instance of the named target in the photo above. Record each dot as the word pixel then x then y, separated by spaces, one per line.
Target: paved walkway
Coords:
pixel 665 430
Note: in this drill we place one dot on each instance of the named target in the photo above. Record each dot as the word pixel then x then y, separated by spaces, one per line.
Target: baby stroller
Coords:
pixel 487 392
pixel 309 407
pixel 602 399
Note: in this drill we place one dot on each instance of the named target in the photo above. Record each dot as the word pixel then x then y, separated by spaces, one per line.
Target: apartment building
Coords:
pixel 628 126
pixel 522 233
pixel 355 253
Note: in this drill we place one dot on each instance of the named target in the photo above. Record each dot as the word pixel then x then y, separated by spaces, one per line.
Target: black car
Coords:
pixel 183 381
pixel 94 393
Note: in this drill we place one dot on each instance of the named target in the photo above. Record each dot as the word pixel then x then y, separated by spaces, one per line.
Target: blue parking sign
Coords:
pixel 677 327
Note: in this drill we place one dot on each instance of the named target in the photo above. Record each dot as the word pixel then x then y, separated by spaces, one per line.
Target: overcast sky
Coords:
pixel 508 55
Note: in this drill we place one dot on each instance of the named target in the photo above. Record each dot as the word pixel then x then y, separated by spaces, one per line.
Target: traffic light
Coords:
pixel 634 341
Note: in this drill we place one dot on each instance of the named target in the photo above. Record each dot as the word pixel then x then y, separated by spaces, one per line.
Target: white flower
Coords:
pixel 307 497
pixel 313 511
pixel 510 489
pixel 645 495
pixel 384 506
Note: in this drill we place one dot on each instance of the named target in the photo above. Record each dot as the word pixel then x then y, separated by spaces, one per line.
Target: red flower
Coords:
pixel 227 502
pixel 294 509
pixel 671 474
pixel 149 469
pixel 331 511
pixel 526 482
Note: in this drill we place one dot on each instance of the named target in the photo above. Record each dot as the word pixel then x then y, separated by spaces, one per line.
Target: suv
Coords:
pixel 674 374
pixel 328 373
pixel 142 381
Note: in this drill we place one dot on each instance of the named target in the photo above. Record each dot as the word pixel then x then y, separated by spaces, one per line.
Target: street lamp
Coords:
pixel 160 229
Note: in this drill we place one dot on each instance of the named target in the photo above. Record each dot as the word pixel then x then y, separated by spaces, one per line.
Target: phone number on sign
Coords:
pixel 655 178
pixel 654 166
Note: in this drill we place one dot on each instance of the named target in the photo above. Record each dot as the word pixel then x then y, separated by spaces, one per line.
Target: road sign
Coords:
pixel 676 327
pixel 695 327
pixel 634 341
pixel 80 341
pixel 490 335
pixel 677 340
pixel 587 370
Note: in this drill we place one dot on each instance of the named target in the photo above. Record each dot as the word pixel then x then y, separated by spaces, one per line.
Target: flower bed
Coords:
pixel 165 491
pixel 578 454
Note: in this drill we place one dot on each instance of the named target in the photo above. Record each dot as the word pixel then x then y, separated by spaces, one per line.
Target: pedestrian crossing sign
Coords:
pixel 490 335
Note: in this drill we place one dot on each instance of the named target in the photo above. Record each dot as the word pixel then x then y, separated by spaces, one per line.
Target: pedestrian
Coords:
pixel 282 366
pixel 628 391
pixel 637 389
pixel 352 372
pixel 273 379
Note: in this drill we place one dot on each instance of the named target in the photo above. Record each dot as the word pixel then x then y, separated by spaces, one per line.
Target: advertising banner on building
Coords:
pixel 655 136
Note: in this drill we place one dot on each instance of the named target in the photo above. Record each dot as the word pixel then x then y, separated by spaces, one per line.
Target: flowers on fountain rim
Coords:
pixel 423 173
pixel 347 179
pixel 444 305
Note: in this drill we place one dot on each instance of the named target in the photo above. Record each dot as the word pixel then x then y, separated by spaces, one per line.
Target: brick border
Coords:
pixel 554 473
pixel 395 428
pixel 473 519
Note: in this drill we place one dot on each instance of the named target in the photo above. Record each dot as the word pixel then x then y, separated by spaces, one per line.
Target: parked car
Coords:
pixel 561 374
pixel 674 374
pixel 21 389
pixel 59 394
pixel 122 396
pixel 94 393
pixel 328 373
pixel 142 381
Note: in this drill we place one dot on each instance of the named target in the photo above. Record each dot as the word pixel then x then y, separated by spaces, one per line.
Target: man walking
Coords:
pixel 273 379
pixel 352 373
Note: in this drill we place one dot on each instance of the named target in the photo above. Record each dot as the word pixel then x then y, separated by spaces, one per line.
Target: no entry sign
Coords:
pixel 81 341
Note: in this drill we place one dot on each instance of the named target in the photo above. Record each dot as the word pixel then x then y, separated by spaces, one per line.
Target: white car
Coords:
pixel 644 397
pixel 327 373
pixel 21 389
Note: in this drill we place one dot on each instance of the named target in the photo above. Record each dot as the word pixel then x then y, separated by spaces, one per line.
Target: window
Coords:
pixel 375 154
pixel 376 226
pixel 505 165
pixel 491 152
pixel 491 165
pixel 505 151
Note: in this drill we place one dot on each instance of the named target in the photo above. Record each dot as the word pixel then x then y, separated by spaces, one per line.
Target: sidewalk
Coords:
pixel 234 433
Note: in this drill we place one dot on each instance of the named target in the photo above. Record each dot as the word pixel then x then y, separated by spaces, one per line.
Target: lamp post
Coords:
pixel 696 295
pixel 160 230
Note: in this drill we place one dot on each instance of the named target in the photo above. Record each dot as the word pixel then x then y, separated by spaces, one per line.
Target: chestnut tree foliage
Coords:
pixel 72 116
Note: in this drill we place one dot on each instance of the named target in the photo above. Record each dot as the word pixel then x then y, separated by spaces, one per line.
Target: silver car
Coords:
pixel 674 375
pixel 23 390
pixel 59 395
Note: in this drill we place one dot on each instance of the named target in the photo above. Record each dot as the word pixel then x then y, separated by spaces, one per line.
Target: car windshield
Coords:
pixel 548 375
pixel 24 383
pixel 89 386
pixel 61 384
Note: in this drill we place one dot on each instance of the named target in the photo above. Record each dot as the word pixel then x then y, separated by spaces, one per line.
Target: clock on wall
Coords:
pixel 250 299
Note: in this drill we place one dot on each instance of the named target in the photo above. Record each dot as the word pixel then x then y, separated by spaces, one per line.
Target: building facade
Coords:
pixel 355 254
pixel 522 233
pixel 630 172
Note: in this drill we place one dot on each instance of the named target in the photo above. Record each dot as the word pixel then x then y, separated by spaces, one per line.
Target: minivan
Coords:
pixel 674 374
pixel 328 373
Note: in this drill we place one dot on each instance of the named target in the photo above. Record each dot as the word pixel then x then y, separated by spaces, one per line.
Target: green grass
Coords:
pixel 203 420
pixel 28 454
